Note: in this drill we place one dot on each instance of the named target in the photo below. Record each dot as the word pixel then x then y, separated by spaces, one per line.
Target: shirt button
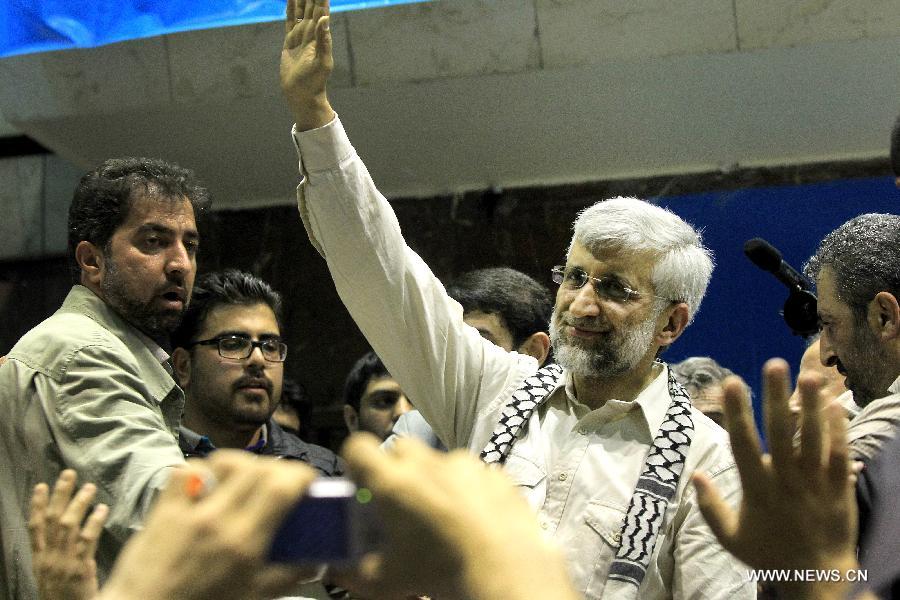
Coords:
pixel 582 431
pixel 563 476
pixel 617 537
pixel 544 525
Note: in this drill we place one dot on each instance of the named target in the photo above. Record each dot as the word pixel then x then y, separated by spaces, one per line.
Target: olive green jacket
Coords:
pixel 83 390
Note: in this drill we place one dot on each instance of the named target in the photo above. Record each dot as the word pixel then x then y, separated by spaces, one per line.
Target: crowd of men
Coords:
pixel 617 479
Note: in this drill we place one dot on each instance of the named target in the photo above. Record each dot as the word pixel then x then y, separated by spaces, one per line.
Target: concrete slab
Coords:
pixel 581 32
pixel 776 23
pixel 111 78
pixel 419 42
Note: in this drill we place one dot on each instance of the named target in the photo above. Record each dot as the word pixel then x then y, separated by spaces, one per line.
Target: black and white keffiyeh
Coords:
pixel 657 482
pixel 514 416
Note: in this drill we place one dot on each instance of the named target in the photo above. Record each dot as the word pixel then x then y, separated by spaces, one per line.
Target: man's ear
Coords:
pixel 676 319
pixel 181 364
pixel 884 316
pixel 351 418
pixel 91 260
pixel 537 345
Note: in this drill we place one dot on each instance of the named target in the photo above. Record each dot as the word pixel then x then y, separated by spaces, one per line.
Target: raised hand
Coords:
pixel 62 549
pixel 307 62
pixel 798 509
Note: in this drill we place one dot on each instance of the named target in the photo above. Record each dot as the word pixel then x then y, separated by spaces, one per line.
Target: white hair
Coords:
pixel 683 266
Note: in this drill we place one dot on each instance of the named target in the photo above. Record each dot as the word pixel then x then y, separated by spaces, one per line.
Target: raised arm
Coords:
pixel 453 376
pixel 307 62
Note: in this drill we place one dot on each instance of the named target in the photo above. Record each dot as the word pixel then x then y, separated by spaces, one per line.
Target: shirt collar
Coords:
pixel 894 388
pixel 159 353
pixel 648 401
pixel 261 443
pixel 201 442
pixel 195 441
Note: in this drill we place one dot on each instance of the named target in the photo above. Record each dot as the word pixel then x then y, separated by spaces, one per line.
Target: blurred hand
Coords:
pixel 798 510
pixel 210 532
pixel 455 529
pixel 62 550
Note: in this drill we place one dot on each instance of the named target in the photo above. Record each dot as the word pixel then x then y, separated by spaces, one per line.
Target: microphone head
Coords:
pixel 763 254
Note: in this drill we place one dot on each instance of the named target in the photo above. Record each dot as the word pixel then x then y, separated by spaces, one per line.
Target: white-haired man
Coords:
pixel 597 445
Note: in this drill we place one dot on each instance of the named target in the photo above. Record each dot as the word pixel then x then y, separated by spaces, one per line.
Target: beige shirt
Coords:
pixel 876 424
pixel 577 467
pixel 83 390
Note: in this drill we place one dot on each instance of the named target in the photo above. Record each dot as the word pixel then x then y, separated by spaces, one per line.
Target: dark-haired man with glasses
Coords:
pixel 229 359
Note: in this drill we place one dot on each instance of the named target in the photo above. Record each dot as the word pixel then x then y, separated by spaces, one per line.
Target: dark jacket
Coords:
pixel 280 444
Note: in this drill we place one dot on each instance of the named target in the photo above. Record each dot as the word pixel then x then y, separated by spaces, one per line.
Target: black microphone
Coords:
pixel 799 310
pixel 765 256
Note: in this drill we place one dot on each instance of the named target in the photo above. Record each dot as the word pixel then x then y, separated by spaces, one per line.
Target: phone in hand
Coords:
pixel 333 523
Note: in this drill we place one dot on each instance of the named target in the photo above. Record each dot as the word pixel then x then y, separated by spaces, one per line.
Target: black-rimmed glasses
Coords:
pixel 239 347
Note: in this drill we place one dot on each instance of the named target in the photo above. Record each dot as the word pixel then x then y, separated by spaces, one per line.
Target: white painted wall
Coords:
pixel 456 95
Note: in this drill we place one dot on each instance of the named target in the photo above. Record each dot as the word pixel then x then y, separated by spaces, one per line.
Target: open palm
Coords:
pixel 306 57
pixel 798 510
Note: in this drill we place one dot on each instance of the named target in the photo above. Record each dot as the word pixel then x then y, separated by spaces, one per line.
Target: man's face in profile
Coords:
pixel 811 363
pixel 848 344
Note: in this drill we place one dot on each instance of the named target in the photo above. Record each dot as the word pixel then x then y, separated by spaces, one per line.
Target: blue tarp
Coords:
pixel 740 324
pixel 28 26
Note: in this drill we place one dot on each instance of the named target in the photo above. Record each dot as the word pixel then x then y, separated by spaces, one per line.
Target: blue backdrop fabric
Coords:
pixel 739 323
pixel 28 26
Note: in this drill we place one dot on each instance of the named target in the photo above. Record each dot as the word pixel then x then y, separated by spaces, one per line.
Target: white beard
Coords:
pixel 609 356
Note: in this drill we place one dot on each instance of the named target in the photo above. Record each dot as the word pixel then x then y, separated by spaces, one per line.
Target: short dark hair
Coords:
pixel 220 288
pixel 104 196
pixel 295 397
pixel 895 147
pixel 367 368
pixel 523 305
pixel 864 255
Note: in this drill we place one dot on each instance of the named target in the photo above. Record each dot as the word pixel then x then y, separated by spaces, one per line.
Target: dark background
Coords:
pixel 528 229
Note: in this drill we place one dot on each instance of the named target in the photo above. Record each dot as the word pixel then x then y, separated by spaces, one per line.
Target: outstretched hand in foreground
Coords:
pixel 455 529
pixel 798 509
pixel 207 540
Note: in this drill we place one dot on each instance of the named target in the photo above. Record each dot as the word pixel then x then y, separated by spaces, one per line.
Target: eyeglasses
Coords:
pixel 239 347
pixel 609 288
